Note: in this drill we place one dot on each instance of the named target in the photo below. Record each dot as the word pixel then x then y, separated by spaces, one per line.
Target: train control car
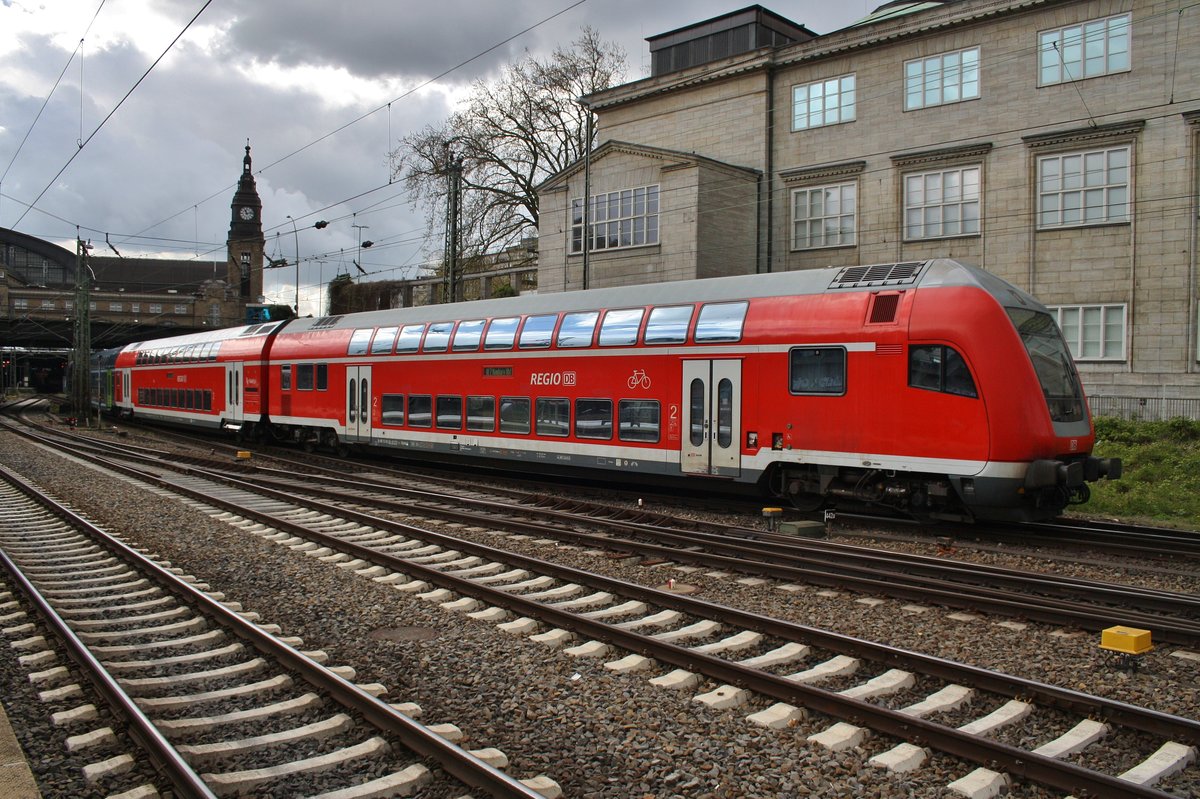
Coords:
pixel 931 388
pixel 211 380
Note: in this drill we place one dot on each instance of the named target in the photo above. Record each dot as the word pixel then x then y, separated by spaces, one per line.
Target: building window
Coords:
pixel 823 216
pixel 942 203
pixel 826 102
pixel 20 303
pixel 135 307
pixel 627 218
pixel 941 79
pixel 1093 332
pixel 114 306
pixel 1098 47
pixel 181 308
pixel 155 307
pixel 1087 188
pixel 47 305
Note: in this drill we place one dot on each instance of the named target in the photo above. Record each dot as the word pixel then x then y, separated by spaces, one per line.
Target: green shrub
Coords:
pixel 1161 481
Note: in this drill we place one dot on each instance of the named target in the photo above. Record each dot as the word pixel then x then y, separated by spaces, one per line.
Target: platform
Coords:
pixel 16 780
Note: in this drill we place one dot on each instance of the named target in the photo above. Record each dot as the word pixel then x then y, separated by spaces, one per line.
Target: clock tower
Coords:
pixel 246 244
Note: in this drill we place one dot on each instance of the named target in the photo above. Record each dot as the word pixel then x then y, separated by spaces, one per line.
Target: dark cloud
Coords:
pixel 160 174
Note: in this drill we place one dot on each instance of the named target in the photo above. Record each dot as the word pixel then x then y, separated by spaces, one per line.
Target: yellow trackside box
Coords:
pixel 1126 640
pixel 243 454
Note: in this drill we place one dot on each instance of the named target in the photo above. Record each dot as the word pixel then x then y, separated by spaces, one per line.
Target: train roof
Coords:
pixel 205 336
pixel 876 277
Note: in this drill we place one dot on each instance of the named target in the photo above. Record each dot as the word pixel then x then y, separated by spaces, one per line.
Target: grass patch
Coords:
pixel 1161 483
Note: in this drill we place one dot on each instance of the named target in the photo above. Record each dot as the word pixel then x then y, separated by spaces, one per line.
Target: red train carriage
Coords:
pixel 933 388
pixel 213 379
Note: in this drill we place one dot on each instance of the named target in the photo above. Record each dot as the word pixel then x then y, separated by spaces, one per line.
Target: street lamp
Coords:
pixel 319 225
pixel 361 245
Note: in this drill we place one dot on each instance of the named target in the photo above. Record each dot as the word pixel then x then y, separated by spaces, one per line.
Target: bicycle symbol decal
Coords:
pixel 639 378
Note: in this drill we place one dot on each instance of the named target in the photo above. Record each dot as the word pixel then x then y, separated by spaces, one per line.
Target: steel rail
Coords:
pixel 414 735
pixel 1037 768
pixel 880 579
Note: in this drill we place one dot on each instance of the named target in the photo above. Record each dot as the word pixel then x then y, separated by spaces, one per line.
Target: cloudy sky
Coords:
pixel 322 91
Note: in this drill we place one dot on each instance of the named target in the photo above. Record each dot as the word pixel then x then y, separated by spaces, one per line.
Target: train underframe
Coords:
pixel 1047 489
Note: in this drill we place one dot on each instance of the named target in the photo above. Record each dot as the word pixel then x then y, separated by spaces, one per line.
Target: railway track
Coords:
pixel 749 655
pixel 1051 599
pixel 220 704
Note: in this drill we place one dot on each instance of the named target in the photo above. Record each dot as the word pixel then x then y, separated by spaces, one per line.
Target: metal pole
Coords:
pixel 587 194
pixel 81 394
pixel 296 236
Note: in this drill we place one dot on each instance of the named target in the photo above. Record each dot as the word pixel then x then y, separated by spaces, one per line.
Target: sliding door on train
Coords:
pixel 358 403
pixel 712 410
pixel 233 394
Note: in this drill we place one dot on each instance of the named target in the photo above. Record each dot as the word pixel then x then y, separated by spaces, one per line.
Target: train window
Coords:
pixel 577 329
pixel 721 321
pixel 501 333
pixel 393 409
pixel 449 412
pixel 537 331
pixel 939 368
pixel 697 411
pixel 285 377
pixel 668 325
pixel 818 370
pixel 514 415
pixel 420 410
pixel 481 414
pixel 322 377
pixel 553 416
pixel 208 399
pixel 359 341
pixel 638 420
pixel 593 418
pixel 410 338
pixel 468 335
pixel 384 338
pixel 189 399
pixel 304 377
pixel 620 328
pixel 724 412
pixel 438 337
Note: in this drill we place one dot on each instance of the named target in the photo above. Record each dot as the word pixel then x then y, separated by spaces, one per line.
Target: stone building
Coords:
pixel 1052 142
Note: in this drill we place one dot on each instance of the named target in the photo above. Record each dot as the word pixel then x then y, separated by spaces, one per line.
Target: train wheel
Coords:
pixel 807 503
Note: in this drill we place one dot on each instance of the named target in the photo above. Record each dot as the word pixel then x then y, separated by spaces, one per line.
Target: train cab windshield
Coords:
pixel 1052 363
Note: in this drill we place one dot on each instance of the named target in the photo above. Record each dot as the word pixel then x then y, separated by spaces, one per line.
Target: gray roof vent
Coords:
pixel 855 277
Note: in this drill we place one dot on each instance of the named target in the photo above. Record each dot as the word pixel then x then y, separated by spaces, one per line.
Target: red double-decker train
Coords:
pixel 931 388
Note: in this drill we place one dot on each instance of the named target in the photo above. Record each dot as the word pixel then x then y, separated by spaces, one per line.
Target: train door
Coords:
pixel 121 398
pixel 712 410
pixel 233 395
pixel 358 403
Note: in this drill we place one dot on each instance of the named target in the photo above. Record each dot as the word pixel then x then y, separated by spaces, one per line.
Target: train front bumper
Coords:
pixel 1070 474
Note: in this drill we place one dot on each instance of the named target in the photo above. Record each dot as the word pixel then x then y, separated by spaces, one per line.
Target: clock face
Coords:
pixel 247 213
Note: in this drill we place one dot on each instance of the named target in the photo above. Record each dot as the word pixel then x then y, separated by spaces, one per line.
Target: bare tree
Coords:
pixel 511 135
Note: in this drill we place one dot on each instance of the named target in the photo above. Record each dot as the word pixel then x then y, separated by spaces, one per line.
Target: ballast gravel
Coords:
pixel 596 733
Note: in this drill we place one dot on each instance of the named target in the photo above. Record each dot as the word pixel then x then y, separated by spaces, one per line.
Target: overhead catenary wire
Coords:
pixel 114 110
